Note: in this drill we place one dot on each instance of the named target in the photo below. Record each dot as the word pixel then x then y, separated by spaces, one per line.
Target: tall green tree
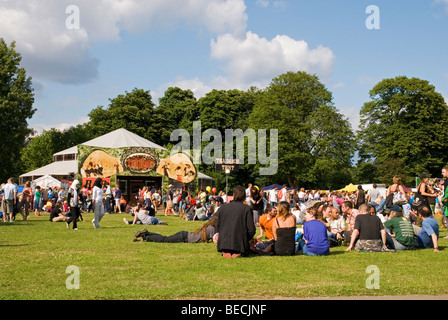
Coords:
pixel 314 140
pixel 16 107
pixel 405 120
pixel 177 110
pixel 226 109
pixel 221 110
pixel 39 150
pixel 133 111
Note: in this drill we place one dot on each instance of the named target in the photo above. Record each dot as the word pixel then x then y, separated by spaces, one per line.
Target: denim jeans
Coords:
pixel 301 246
pixel 394 244
pixel 382 206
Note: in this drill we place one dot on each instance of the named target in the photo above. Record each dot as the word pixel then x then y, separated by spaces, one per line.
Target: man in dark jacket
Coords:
pixel 235 226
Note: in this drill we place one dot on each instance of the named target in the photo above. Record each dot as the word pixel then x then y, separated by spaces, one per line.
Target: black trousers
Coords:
pixel 74 212
pixel 181 236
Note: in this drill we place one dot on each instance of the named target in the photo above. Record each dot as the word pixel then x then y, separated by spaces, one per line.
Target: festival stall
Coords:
pixel 124 160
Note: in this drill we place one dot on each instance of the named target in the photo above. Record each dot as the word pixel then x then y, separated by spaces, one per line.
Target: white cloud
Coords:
pixel 443 2
pixel 267 3
pixel 40 127
pixel 255 59
pixel 52 51
pixel 365 80
pixel 339 85
pixel 197 86
pixel 262 3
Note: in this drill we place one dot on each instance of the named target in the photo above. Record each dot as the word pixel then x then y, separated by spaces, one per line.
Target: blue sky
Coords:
pixel 218 44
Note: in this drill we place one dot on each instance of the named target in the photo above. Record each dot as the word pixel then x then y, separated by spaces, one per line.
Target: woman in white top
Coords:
pixel 97 202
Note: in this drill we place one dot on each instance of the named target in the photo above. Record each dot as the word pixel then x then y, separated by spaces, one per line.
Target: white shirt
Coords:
pixel 273 195
pixel 9 190
pixel 284 192
pixel 97 194
pixel 338 224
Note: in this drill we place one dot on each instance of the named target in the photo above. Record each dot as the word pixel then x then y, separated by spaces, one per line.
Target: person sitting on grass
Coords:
pixel 204 234
pixel 284 231
pixel 266 222
pixel 337 225
pixel 403 237
pixel 235 226
pixel 370 230
pixel 315 237
pixel 428 235
pixel 143 216
pixel 56 214
pixel 200 213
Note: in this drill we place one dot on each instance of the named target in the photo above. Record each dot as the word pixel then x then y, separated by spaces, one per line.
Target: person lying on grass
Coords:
pixel 205 233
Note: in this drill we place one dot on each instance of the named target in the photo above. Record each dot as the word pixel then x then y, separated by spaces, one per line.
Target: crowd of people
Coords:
pixel 294 222
pixel 289 221
pixel 62 204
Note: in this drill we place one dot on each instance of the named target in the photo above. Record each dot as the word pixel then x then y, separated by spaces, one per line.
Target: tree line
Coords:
pixel 401 129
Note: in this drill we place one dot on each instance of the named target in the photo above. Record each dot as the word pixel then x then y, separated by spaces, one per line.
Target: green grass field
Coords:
pixel 35 255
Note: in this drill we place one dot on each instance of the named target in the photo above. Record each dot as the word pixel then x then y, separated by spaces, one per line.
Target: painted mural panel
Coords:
pixel 108 162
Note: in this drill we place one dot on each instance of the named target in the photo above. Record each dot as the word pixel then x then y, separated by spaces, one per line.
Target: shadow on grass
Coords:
pixel 13 245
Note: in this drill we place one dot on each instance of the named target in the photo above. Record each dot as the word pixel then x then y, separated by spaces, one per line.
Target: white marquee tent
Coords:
pixel 46 181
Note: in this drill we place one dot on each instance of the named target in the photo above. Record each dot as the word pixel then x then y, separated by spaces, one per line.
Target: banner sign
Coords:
pixel 223 164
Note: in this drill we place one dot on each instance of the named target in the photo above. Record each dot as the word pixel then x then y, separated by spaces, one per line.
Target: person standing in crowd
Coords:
pixel 372 195
pixel 248 192
pixel 61 195
pixel 444 200
pixel 156 199
pixel 97 202
pixel 10 192
pixel 74 199
pixel 302 196
pixel 117 199
pixel 184 199
pixel 360 197
pixel 422 194
pixel 26 201
pixel 37 201
pixel 273 200
pixel 107 198
pixel 169 200
pixel 256 203
pixel 283 194
pixel 235 226
pixel 432 200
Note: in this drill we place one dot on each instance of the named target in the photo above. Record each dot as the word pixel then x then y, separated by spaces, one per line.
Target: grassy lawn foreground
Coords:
pixel 35 255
